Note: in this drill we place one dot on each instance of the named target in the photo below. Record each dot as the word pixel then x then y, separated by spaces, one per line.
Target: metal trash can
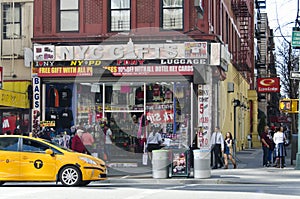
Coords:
pixel 160 163
pixel 202 163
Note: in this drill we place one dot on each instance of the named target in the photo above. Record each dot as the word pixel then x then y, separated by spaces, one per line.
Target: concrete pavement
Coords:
pixel 249 171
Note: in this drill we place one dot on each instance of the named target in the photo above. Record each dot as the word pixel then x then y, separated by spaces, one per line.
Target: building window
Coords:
pixel 69 15
pixel 12 21
pixel 120 15
pixel 172 12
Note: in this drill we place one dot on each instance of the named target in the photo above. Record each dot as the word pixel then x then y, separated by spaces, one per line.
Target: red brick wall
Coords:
pixel 47 16
pixel 145 12
pixel 93 11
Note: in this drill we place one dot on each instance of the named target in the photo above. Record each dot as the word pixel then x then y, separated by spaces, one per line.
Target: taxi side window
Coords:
pixel 9 144
pixel 34 146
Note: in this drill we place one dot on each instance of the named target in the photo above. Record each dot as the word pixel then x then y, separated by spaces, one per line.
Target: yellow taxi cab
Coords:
pixel 29 159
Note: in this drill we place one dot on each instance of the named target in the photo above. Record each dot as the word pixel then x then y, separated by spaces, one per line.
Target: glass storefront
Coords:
pixel 129 108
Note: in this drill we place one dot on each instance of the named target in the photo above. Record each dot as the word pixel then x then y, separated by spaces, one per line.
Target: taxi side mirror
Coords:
pixel 49 151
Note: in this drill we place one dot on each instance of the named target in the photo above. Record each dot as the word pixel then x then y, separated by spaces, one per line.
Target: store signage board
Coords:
pixel 295 75
pixel 83 71
pixel 155 70
pixel 268 85
pixel 129 51
pixel 295 39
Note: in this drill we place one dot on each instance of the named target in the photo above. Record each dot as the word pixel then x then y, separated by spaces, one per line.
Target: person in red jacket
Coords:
pixel 77 144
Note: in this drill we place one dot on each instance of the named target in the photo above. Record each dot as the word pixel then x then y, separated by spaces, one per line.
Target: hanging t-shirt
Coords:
pixel 168 95
pixel 66 117
pixel 139 96
pixel 65 97
pixel 156 92
pixel 52 115
pixel 53 97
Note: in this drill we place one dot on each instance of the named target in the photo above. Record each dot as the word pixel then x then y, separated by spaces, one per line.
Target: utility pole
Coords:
pixel 296 44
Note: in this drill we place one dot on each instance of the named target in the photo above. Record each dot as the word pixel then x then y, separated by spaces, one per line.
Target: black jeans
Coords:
pixel 265 155
pixel 216 154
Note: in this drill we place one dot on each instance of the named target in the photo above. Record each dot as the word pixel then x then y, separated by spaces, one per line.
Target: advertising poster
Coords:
pixel 204 113
pixel 179 163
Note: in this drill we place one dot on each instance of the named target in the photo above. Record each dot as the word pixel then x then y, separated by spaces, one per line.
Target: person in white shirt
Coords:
pixel 108 141
pixel 279 138
pixel 154 140
pixel 217 148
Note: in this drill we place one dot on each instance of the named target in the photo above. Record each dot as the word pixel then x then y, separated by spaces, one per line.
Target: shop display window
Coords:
pixel 130 108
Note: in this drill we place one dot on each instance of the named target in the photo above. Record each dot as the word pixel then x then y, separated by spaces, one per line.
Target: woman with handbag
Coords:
pixel 228 150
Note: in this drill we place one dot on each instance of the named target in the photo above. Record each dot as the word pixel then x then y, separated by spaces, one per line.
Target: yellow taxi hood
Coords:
pixel 76 154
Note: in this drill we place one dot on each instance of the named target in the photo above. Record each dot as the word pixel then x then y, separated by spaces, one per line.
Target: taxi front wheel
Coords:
pixel 70 176
pixel 1 183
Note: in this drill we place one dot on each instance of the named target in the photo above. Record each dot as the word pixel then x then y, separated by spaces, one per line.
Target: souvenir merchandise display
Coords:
pixel 58 106
pixel 130 109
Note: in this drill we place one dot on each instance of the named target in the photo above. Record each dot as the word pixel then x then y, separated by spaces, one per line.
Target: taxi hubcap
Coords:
pixel 70 176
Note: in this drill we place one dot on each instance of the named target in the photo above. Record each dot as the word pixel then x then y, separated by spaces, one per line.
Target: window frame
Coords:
pixel 5 8
pixel 110 10
pixel 171 8
pixel 10 138
pixel 59 16
pixel 40 143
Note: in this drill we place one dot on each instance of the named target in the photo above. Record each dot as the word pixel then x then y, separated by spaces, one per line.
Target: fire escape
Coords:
pixel 244 57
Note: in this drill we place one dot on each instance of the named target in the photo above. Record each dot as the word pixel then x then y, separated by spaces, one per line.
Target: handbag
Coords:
pixel 286 142
pixel 145 158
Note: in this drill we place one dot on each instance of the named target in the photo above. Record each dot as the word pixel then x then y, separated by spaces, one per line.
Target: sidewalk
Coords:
pixel 249 171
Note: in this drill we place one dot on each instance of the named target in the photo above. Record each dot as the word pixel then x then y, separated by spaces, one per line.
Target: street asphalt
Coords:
pixel 249 171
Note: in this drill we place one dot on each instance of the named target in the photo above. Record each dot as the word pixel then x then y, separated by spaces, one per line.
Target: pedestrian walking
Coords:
pixel 228 150
pixel 279 139
pixel 77 144
pixel 88 140
pixel 217 148
pixel 108 141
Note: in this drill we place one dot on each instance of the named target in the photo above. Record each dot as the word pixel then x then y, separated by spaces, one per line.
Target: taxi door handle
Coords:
pixel 25 158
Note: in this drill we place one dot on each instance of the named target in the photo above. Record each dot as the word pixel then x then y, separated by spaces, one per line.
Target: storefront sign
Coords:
pixel 130 62
pixel 44 52
pixel 150 70
pixel 36 102
pixel 268 85
pixel 204 113
pixel 183 61
pixel 65 71
pixel 120 52
pixel 195 50
pixel 47 124
pixel 160 117
pixel 67 63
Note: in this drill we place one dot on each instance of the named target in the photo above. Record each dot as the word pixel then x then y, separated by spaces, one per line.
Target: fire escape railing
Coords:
pixel 243 58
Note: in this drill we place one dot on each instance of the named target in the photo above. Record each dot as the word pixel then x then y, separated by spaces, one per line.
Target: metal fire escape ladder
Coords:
pixel 242 10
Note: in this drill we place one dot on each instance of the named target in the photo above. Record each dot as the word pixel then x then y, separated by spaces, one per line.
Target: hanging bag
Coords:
pixel 145 156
